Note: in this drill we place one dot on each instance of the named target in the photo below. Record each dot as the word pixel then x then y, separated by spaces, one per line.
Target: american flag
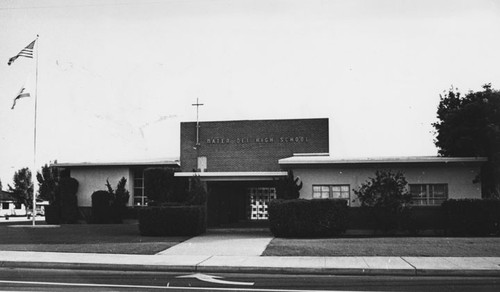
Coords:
pixel 22 93
pixel 26 52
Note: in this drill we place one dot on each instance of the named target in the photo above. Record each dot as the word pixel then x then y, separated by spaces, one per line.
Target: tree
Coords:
pixel 387 197
pixel 22 191
pixel 469 126
pixel 48 183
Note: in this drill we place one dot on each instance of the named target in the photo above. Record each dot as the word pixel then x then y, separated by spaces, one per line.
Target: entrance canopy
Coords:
pixel 235 176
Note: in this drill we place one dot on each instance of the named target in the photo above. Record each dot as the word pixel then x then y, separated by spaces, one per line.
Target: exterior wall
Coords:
pixel 91 179
pixel 458 177
pixel 251 145
pixel 12 211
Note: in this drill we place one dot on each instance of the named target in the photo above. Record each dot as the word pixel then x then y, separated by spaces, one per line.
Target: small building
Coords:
pixel 9 206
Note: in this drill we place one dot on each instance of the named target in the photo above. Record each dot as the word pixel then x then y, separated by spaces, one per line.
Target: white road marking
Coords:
pixel 215 279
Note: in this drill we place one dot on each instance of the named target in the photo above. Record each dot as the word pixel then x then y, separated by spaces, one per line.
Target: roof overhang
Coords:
pixel 171 163
pixel 234 176
pixel 328 160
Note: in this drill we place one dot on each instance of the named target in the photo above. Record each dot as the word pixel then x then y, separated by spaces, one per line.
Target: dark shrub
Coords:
pixel 474 217
pixel 197 194
pixel 172 220
pixel 308 218
pixel 159 185
pixel 386 197
pixel 288 188
pixel 52 214
pixel 68 187
pixel 102 212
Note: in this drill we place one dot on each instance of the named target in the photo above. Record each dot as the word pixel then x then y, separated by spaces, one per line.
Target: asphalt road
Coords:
pixel 82 280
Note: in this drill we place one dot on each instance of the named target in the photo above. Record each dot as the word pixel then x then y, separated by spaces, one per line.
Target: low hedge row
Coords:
pixel 467 217
pixel 172 220
pixel 307 218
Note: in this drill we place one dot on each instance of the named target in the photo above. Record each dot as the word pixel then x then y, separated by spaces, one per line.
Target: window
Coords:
pixel 5 206
pixel 139 198
pixel 428 194
pixel 331 192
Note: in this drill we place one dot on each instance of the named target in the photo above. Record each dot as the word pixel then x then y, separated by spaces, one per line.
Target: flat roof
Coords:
pixel 238 175
pixel 325 160
pixel 117 163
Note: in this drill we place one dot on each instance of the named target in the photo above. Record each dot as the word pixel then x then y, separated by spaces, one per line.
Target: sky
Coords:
pixel 116 78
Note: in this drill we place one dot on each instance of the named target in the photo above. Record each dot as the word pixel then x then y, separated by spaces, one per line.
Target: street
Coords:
pixel 84 280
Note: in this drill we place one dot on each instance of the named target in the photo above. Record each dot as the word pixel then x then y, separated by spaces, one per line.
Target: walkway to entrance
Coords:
pixel 229 242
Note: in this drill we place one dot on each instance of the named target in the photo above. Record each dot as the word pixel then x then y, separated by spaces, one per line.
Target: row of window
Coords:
pixel 421 194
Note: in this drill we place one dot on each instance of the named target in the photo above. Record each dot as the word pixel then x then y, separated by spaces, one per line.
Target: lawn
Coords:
pixel 386 246
pixel 86 238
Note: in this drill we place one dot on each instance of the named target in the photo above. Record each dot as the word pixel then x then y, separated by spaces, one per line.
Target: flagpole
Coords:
pixel 33 173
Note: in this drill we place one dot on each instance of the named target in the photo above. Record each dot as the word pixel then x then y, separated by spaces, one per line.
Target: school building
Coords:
pixel 240 161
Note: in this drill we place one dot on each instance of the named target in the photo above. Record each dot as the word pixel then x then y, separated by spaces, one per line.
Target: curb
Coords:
pixel 253 270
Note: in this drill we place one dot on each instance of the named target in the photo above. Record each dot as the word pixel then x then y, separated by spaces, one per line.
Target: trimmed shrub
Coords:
pixel 68 187
pixel 52 214
pixel 102 212
pixel 159 185
pixel 172 220
pixel 308 218
pixel 288 188
pixel 474 217
pixel 197 194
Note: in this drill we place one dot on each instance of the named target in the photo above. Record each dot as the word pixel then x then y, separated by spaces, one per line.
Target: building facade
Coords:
pixel 239 161
pixel 92 177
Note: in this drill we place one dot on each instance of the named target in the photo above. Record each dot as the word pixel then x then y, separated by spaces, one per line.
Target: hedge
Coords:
pixel 102 212
pixel 474 217
pixel 308 218
pixel 172 220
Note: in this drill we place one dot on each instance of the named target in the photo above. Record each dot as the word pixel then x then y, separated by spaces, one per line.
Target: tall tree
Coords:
pixel 22 191
pixel 469 125
pixel 47 183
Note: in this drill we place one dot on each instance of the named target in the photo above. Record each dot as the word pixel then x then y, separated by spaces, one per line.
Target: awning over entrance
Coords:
pixel 235 176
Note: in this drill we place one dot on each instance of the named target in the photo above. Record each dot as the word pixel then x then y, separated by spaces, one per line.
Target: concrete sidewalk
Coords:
pixel 409 266
pixel 224 242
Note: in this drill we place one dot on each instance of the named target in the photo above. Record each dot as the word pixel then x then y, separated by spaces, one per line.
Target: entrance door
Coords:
pixel 235 203
pixel 226 203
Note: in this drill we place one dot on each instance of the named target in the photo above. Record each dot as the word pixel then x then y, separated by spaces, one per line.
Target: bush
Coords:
pixel 474 217
pixel 68 187
pixel 159 185
pixel 102 212
pixel 172 220
pixel 308 218
pixel 197 194
pixel 288 188
pixel 52 214
pixel 386 197
pixel 118 200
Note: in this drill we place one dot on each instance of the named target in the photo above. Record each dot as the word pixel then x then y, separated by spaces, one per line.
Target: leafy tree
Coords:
pixel 387 197
pixel 22 191
pixel 48 183
pixel 288 188
pixel 469 126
